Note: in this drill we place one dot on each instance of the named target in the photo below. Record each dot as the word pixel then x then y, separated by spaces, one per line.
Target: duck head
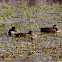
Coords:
pixel 30 32
pixel 55 27
pixel 14 29
pixel 32 35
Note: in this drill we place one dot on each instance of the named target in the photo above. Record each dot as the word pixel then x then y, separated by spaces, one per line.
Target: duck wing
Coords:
pixel 47 30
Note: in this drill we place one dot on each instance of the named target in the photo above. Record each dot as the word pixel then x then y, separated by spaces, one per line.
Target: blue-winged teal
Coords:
pixel 16 33
pixel 51 30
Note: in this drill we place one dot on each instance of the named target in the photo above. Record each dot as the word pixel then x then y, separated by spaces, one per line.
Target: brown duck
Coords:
pixel 51 30
pixel 16 33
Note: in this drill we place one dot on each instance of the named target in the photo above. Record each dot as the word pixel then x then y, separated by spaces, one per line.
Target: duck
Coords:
pixel 16 33
pixel 54 29
pixel 30 34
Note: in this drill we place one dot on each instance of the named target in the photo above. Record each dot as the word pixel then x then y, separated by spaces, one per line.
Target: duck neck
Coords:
pixel 56 29
pixel 29 33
